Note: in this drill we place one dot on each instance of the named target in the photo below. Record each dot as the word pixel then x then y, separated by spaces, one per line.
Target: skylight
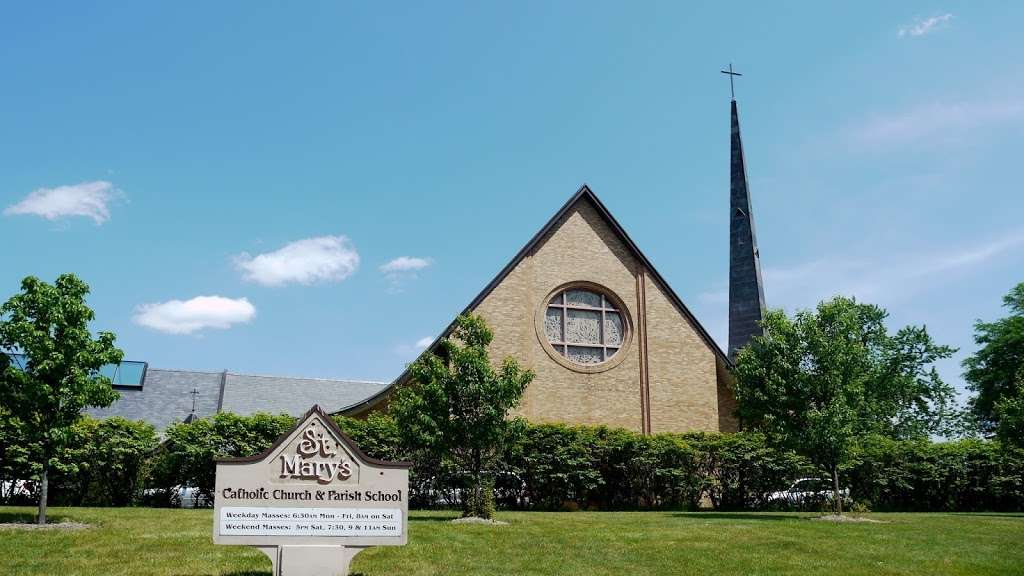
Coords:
pixel 126 374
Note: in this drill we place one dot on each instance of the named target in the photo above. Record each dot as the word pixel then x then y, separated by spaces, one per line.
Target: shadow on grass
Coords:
pixel 265 573
pixel 28 518
pixel 737 516
pixel 991 514
pixel 432 518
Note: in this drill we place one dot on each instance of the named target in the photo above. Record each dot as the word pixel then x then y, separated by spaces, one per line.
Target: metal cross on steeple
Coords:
pixel 195 394
pixel 732 88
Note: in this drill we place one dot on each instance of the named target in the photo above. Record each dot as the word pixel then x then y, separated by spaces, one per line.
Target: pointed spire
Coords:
pixel 746 291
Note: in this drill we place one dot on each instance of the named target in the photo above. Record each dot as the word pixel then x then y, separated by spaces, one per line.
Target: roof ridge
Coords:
pixel 151 369
pixel 352 380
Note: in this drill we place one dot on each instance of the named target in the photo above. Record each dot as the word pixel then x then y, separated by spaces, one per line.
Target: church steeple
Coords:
pixel 746 292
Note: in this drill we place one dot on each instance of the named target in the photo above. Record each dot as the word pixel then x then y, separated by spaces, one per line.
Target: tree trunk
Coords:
pixel 478 493
pixel 43 494
pixel 477 488
pixel 837 499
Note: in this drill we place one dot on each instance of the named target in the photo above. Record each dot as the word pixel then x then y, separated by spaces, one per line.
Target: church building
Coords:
pixel 609 340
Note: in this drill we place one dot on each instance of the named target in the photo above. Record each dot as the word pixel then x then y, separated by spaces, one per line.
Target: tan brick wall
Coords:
pixel 582 247
pixel 727 421
pixel 684 386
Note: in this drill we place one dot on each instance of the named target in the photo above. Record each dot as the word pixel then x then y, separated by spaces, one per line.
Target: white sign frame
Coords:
pixel 311 501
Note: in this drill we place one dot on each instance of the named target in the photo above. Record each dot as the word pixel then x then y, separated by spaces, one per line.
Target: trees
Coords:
pixel 1009 414
pixel 994 370
pixel 823 380
pixel 49 325
pixel 456 407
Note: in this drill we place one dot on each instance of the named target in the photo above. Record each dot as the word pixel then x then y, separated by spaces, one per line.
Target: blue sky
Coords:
pixel 166 152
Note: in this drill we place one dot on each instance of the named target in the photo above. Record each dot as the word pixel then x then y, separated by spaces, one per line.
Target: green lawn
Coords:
pixel 140 542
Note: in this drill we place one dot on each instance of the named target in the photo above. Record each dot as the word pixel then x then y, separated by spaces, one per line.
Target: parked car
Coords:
pixel 805 491
pixel 179 497
pixel 15 490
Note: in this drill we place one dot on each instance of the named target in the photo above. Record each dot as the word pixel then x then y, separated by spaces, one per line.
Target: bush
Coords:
pixel 560 467
pixel 965 475
pixel 643 472
pixel 740 471
pixel 104 464
pixel 549 467
pixel 19 461
pixel 187 457
pixel 377 435
pixel 430 483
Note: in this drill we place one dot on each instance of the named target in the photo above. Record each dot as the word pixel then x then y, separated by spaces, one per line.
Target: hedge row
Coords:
pixel 966 475
pixel 550 467
pixel 556 466
pixel 105 463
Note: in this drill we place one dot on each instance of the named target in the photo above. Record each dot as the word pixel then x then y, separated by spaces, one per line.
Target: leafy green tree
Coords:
pixel 456 406
pixel 49 325
pixel 1009 413
pixel 820 382
pixel 992 371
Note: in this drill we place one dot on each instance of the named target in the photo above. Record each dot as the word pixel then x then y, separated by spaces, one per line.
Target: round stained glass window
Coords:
pixel 584 326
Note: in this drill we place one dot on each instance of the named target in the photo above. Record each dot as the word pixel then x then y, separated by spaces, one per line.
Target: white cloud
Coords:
pixel 923 26
pixel 422 343
pixel 405 264
pixel 320 259
pixel 89 199
pixel 934 123
pixel 403 268
pixel 188 316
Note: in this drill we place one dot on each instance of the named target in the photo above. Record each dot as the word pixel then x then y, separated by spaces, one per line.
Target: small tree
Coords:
pixel 49 325
pixel 992 371
pixel 456 407
pixel 822 381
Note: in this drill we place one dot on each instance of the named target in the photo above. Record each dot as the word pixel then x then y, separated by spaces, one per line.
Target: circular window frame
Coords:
pixel 627 323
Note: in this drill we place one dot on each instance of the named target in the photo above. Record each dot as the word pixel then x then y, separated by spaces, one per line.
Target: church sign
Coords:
pixel 311 501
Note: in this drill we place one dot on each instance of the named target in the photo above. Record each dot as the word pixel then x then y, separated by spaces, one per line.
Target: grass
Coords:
pixel 150 542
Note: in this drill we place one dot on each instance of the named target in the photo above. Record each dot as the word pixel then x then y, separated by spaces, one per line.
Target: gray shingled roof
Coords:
pixel 246 394
pixel 166 395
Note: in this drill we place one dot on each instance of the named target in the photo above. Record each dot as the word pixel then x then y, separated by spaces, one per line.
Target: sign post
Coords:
pixel 312 501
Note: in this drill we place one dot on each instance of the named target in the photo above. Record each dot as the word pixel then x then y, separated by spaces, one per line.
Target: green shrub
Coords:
pixel 739 471
pixel 105 463
pixel 377 435
pixel 187 456
pixel 555 467
pixel 963 475
pixel 550 464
